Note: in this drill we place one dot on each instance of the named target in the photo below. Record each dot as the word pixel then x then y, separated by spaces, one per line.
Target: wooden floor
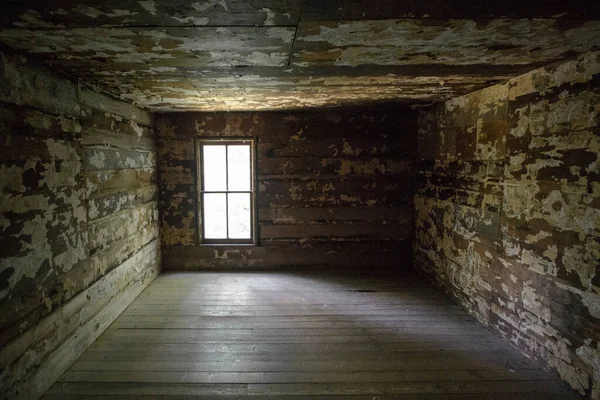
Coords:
pixel 300 335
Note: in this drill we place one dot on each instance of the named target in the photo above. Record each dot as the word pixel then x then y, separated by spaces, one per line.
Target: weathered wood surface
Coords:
pixel 315 10
pixel 379 348
pixel 323 254
pixel 342 214
pixel 369 230
pixel 324 178
pixel 205 46
pixel 507 205
pixel 269 54
pixel 231 392
pixel 117 13
pixel 78 241
pixel 268 88
pixel 87 316
pixel 397 42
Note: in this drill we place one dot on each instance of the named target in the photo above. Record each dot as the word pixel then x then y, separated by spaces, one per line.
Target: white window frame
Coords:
pixel 200 190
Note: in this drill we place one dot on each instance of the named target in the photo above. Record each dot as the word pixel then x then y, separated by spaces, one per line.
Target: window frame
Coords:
pixel 199 143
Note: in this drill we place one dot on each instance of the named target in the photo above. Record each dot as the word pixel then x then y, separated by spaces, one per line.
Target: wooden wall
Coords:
pixel 508 212
pixel 78 221
pixel 335 187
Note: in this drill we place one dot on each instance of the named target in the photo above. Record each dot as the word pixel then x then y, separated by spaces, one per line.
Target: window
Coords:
pixel 226 191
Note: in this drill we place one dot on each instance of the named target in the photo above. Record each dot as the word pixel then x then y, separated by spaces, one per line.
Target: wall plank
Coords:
pixel 516 241
pixel 323 175
pixel 78 220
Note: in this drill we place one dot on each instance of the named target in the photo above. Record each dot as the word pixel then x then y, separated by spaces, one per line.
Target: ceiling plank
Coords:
pixel 95 67
pixel 121 13
pixel 453 42
pixel 164 93
pixel 156 47
pixel 214 55
pixel 60 14
pixel 275 98
pixel 319 10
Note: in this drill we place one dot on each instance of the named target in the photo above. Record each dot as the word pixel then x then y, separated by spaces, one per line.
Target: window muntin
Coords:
pixel 226 192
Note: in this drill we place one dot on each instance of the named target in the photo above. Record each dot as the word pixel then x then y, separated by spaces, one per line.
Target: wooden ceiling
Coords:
pixel 218 55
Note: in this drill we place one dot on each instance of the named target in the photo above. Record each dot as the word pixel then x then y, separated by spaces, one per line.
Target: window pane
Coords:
pixel 239 216
pixel 238 160
pixel 214 168
pixel 215 216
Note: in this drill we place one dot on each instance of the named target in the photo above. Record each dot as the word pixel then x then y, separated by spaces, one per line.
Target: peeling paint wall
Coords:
pixel 78 221
pixel 508 212
pixel 335 187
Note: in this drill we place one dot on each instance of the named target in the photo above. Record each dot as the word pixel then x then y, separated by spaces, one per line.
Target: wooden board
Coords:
pixel 80 235
pixel 225 55
pixel 88 13
pixel 291 334
pixel 317 10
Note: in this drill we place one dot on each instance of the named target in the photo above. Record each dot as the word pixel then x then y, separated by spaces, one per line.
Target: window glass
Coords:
pixel 239 215
pixel 226 191
pixel 215 216
pixel 215 170
pixel 238 167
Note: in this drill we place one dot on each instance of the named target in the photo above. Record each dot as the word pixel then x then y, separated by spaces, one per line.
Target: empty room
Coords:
pixel 300 199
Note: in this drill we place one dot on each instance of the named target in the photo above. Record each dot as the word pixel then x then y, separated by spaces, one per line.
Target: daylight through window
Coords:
pixel 226 191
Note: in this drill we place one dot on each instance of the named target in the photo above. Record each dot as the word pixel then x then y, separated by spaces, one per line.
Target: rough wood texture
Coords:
pixel 300 336
pixel 334 187
pixel 117 13
pixel 332 10
pixel 78 220
pixel 508 212
pixel 232 55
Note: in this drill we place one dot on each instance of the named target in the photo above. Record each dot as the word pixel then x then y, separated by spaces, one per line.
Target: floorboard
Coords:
pixel 300 335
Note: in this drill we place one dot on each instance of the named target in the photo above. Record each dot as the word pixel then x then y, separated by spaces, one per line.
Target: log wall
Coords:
pixel 78 221
pixel 335 188
pixel 508 212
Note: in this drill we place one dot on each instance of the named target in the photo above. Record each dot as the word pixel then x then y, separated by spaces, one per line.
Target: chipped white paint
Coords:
pixel 195 21
pixel 51 233
pixel 270 16
pixel 94 13
pixel 208 4
pixel 34 18
pixel 548 224
pixel 11 180
pixel 148 5
pixel 37 252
